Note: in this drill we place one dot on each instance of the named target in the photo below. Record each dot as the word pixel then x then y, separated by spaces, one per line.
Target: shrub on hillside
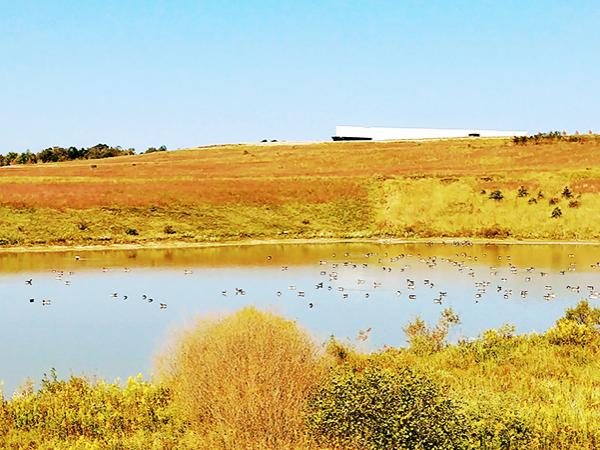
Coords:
pixel 382 409
pixel 556 213
pixel 496 195
pixel 244 379
pixel 522 192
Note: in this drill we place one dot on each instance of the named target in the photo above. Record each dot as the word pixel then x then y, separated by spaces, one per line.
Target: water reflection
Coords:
pixel 100 312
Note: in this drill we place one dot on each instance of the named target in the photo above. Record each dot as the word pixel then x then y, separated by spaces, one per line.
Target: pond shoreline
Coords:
pixel 308 241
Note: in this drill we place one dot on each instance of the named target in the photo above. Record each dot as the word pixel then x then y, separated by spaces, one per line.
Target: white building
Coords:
pixel 349 133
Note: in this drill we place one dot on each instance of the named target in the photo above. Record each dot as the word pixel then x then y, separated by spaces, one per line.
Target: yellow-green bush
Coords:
pixel 244 379
pixel 580 326
pixel 379 408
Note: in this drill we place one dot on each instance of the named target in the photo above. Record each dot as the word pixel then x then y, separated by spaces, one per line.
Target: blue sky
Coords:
pixel 185 73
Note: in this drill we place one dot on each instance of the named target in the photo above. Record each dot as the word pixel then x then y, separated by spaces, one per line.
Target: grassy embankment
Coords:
pixel 256 381
pixel 330 190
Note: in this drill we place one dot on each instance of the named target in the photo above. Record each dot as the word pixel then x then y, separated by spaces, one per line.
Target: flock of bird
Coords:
pixel 60 276
pixel 362 276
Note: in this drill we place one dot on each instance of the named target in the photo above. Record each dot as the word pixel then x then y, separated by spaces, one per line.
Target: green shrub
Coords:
pixel 383 409
pixel 567 193
pixel 496 195
pixel 424 340
pixel 168 229
pixel 493 343
pixel 77 408
pixel 495 427
pixel 580 326
pixel 522 192
pixel 132 232
pixel 556 213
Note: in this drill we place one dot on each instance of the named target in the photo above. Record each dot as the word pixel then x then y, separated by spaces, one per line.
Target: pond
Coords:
pixel 108 313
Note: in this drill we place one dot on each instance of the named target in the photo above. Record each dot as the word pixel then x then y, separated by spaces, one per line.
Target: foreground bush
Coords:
pixel 245 379
pixel 71 413
pixel 382 409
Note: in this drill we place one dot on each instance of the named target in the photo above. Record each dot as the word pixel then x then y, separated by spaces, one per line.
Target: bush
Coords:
pixel 168 229
pixel 580 326
pixel 496 195
pixel 132 232
pixel 495 231
pixel 244 379
pixel 494 426
pixel 493 343
pixel 384 409
pixel 566 193
pixel 522 192
pixel 424 340
pixel 556 213
pixel 76 408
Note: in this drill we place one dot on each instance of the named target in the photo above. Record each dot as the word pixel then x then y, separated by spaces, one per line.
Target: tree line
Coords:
pixel 58 154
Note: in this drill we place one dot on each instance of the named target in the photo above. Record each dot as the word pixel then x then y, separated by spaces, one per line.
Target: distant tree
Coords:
pixel 26 158
pixel 162 148
pixel 11 158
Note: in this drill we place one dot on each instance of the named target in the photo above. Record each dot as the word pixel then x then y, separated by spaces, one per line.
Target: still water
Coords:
pixel 99 313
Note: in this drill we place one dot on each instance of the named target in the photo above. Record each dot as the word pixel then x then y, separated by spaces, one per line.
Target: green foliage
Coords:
pixel 522 192
pixel 168 229
pixel 162 148
pixel 76 409
pixel 493 426
pixel 496 195
pixel 425 340
pixel 580 326
pixel 556 213
pixel 549 137
pixel 58 154
pixel 379 408
pixel 492 344
pixel 567 193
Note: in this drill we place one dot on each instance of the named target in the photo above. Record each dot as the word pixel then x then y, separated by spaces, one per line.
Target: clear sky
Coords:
pixel 184 73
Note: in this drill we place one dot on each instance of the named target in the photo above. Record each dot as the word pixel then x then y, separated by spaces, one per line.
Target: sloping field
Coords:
pixel 348 189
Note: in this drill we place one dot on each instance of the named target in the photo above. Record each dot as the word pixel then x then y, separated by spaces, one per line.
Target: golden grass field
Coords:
pixel 421 189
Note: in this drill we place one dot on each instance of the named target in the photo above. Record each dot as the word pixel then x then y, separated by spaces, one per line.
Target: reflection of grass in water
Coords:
pixel 242 381
pixel 359 189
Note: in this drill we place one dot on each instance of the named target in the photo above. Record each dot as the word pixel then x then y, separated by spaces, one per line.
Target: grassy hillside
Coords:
pixel 348 189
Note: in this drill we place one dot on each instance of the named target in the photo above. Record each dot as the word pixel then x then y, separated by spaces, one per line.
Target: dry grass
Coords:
pixel 243 381
pixel 348 189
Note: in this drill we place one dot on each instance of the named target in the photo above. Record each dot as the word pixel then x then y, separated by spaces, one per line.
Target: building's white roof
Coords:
pixel 382 133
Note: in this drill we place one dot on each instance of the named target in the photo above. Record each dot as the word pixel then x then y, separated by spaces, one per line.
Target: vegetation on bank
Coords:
pixel 255 380
pixel 548 189
pixel 61 154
